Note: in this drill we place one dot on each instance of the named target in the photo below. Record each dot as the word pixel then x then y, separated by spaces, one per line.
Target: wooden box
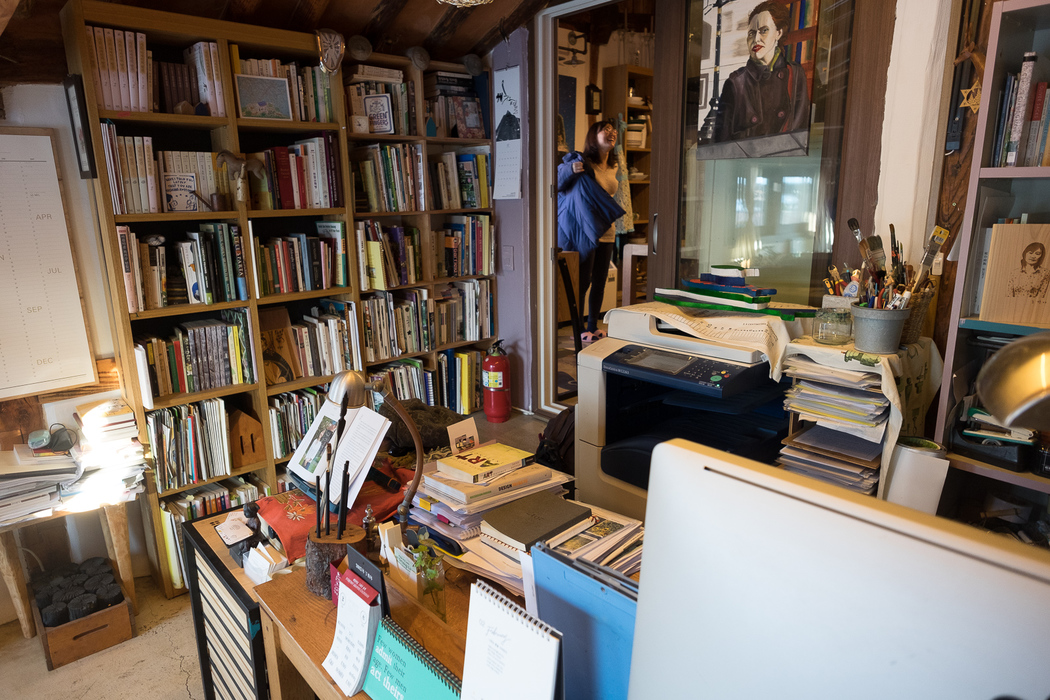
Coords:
pixel 75 640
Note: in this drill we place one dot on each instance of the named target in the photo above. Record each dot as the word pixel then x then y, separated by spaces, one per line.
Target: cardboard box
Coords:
pixel 75 640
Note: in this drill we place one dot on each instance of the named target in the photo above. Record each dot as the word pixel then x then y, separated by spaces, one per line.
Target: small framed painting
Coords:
pixel 1017 279
pixel 380 115
pixel 263 97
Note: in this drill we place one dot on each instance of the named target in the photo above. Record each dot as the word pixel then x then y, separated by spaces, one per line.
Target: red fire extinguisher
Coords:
pixel 495 378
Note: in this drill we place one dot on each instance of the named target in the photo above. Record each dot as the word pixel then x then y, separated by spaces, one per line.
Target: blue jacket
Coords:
pixel 585 209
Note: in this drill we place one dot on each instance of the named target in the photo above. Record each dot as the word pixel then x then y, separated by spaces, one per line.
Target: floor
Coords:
pixel 160 663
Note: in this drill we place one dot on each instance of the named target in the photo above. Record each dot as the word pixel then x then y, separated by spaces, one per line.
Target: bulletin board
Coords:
pixel 44 341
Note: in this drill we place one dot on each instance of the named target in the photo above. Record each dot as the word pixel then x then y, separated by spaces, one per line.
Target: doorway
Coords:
pixel 594 62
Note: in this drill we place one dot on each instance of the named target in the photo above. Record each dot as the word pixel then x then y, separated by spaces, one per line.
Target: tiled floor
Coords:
pixel 161 662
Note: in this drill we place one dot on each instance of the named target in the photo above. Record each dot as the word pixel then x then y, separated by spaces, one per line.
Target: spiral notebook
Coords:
pixel 510 655
pixel 401 668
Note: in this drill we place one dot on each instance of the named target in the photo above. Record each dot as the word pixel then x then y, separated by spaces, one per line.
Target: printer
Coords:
pixel 648 382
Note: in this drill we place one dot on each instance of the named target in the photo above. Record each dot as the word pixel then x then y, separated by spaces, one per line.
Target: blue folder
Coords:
pixel 594 609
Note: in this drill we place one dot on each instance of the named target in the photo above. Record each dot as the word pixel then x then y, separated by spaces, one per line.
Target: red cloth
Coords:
pixel 291 515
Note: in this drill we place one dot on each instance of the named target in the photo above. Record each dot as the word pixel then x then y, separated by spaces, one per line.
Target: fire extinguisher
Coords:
pixel 495 378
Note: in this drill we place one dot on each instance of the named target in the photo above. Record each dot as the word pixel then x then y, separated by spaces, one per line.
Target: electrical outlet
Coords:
pixel 506 262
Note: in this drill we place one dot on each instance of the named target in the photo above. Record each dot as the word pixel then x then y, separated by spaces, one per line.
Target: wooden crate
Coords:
pixel 75 640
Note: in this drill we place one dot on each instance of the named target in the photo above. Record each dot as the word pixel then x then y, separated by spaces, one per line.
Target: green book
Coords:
pixel 401 668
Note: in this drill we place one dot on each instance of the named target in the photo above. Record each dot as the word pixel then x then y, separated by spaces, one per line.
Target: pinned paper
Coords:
pixel 463 436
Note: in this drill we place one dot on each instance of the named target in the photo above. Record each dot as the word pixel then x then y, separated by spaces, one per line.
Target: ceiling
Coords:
pixel 31 46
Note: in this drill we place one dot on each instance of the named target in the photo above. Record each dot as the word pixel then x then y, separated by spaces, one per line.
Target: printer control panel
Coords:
pixel 703 375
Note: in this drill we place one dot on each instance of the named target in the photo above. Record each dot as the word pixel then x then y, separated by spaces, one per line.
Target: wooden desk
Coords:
pixel 115 528
pixel 298 629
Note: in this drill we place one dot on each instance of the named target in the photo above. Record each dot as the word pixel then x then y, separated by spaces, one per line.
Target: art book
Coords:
pixel 484 463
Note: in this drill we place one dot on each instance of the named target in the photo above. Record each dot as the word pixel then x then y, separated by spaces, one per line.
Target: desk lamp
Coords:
pixel 1014 384
pixel 354 386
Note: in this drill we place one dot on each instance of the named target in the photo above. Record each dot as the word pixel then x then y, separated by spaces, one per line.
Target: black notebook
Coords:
pixel 533 518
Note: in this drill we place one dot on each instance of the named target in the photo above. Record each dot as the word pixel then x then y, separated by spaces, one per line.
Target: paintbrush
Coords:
pixel 933 246
pixel 854 226
pixel 876 255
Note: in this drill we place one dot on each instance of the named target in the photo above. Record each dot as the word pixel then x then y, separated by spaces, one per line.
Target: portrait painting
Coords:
pixel 762 66
pixel 1017 277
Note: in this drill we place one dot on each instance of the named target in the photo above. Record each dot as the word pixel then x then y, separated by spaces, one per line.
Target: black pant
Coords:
pixel 594 267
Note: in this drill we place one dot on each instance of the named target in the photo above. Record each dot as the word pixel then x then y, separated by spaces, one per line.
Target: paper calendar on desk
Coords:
pixel 45 341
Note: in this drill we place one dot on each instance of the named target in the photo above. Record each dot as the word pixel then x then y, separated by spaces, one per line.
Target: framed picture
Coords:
pixel 1017 278
pixel 380 115
pixel 262 97
pixel 593 100
pixel 74 87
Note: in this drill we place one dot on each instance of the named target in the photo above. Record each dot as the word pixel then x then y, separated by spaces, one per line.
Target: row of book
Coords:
pixel 304 175
pixel 1023 116
pixel 200 354
pixel 390 177
pixel 323 342
pixel 391 256
pixel 190 443
pixel 299 263
pixel 457 381
pixel 461 181
pixel 291 414
pixel 128 79
pixel 307 88
pixel 363 86
pixel 413 321
pixel 467 247
pixel 452 106
pixel 208 267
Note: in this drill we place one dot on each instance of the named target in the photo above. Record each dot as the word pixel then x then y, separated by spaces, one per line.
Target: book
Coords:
pixel 380 115
pixel 484 463
pixel 531 519
pixel 500 636
pixel 463 492
pixel 402 669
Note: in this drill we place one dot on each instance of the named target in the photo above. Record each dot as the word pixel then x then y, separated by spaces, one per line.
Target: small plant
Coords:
pixel 430 570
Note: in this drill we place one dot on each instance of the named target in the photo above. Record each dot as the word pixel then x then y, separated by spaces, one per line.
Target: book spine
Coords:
pixel 131 60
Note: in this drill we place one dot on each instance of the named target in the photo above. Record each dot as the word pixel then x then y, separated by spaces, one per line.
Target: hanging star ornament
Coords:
pixel 972 96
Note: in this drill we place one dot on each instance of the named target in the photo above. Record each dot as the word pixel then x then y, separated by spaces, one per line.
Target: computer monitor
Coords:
pixel 758 583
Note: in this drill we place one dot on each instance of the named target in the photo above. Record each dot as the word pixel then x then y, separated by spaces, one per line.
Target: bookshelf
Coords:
pixel 620 83
pixel 245 228
pixel 993 193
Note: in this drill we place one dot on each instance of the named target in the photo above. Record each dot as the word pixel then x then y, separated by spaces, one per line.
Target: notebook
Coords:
pixel 531 518
pixel 510 655
pixel 401 668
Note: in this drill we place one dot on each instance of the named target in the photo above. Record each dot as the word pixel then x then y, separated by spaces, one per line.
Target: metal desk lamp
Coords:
pixel 1014 384
pixel 355 386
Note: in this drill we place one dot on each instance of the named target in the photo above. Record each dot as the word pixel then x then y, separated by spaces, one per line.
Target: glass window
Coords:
pixel 762 139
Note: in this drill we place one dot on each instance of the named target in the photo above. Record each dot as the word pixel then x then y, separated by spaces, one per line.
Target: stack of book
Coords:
pixel 724 288
pixel 389 177
pixel 322 343
pixel 110 455
pixel 305 175
pixel 206 268
pixel 201 354
pixel 309 96
pixel 453 109
pixel 373 88
pixel 850 414
pixel 297 262
pixel 291 414
pixel 190 443
pixel 391 256
pixel 461 181
pixel 1023 116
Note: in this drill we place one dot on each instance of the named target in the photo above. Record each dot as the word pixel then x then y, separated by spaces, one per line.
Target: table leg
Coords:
pixel 286 683
pixel 11 568
pixel 115 528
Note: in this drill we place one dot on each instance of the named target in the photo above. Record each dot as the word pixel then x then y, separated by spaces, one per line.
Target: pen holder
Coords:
pixel 323 551
pixel 878 331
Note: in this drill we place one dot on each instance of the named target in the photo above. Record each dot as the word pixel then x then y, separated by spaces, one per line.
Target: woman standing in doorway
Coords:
pixel 586 214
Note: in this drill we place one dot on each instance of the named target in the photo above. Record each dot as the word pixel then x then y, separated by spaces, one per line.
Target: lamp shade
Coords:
pixel 1014 384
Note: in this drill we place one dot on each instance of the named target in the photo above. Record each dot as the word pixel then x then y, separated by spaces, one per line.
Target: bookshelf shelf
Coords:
pixel 176 216
pixel 196 484
pixel 1023 479
pixel 301 383
pixel 299 296
pixel 443 141
pixel 976 324
pixel 169 400
pixel 384 138
pixel 1019 173
pixel 278 125
pixel 163 119
pixel 290 213
pixel 186 309
pixel 386 214
pixel 445 212
pixel 637 149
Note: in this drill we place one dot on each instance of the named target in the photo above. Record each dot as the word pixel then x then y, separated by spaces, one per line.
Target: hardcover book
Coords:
pixel 532 519
pixel 484 463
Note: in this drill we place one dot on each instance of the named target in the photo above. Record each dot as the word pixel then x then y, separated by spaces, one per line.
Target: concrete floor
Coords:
pixel 160 662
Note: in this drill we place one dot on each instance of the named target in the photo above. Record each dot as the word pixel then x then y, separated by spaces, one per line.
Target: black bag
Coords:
pixel 557 448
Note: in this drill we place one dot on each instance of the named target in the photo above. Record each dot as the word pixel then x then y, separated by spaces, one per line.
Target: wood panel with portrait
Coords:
pixel 1017 279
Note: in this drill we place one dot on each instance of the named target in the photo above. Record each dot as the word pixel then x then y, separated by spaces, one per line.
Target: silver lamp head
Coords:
pixel 354 385
pixel 1014 384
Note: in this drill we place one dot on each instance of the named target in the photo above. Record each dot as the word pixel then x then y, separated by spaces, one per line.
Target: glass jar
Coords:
pixel 833 326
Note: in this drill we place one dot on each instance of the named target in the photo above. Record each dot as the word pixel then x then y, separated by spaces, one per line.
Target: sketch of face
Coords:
pixel 762 38
pixel 1032 256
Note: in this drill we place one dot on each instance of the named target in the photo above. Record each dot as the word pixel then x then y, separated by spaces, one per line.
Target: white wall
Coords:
pixel 45 106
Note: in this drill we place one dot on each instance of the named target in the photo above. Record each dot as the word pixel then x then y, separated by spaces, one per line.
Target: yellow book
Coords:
pixel 483 180
pixel 376 268
pixel 484 463
pixel 235 59
pixel 463 372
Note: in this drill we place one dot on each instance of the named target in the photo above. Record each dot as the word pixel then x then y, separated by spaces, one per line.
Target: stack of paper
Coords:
pixel 262 561
pixel 604 532
pixel 833 456
pixel 110 457
pixel 26 489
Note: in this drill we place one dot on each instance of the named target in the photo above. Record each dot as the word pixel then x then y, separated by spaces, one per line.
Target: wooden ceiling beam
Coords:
pixel 506 26
pixel 446 27
pixel 382 18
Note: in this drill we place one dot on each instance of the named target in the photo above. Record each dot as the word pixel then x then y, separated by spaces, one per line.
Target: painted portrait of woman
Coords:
pixel 1033 277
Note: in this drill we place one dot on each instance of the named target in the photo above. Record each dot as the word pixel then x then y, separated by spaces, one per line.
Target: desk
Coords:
pixel 298 629
pixel 115 528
